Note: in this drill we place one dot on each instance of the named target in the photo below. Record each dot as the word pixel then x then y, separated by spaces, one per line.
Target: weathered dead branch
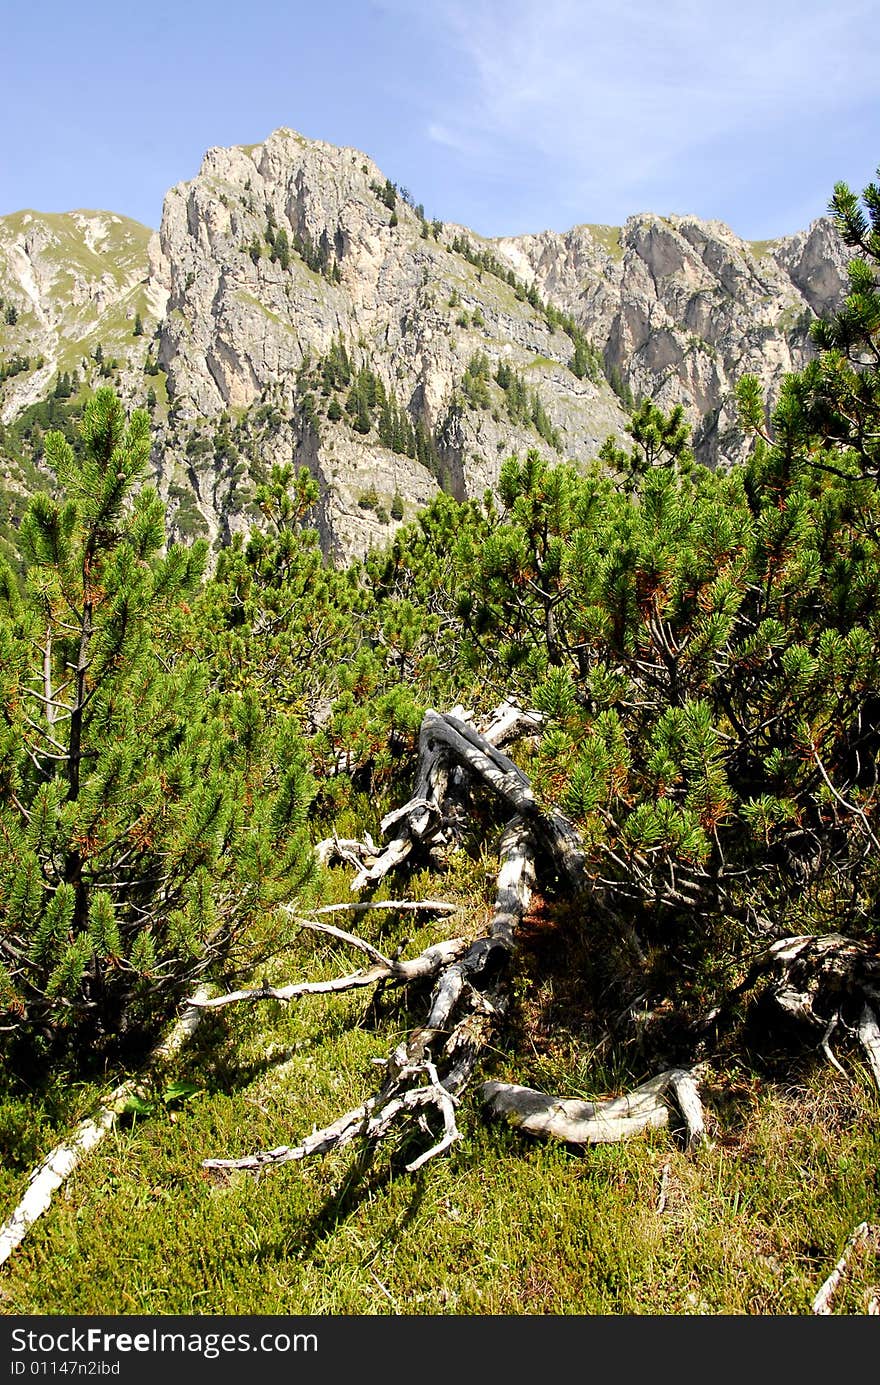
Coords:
pixel 385 969
pixel 442 907
pixel 59 1164
pixel 449 747
pixel 448 738
pixel 370 1121
pixel 357 853
pixel 869 1037
pixel 827 982
pixel 863 1235
pixel 600 1122
pixel 465 1000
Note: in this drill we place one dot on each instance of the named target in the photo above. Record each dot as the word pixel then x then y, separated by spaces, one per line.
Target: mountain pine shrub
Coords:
pixel 147 818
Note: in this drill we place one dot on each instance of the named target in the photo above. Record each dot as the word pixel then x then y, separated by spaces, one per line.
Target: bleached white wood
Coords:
pixel 343 849
pixel 456 1011
pixel 447 740
pixel 683 1086
pixel 823 1300
pixel 508 722
pixel 869 1037
pixel 603 1121
pixel 371 1121
pixel 59 1164
pixel 427 964
pixel 572 1121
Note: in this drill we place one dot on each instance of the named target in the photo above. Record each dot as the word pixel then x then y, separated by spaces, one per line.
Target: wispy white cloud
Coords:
pixel 457 138
pixel 623 97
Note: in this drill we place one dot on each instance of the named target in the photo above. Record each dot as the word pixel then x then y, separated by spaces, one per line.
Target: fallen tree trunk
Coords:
pixel 815 978
pixel 460 1012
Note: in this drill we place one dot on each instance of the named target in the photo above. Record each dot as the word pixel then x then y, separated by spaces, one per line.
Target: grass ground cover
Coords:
pixel 502 1226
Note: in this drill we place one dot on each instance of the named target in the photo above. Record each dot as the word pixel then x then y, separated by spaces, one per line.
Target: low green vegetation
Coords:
pixel 355 393
pixel 501 1226
pixel 609 239
pixel 704 652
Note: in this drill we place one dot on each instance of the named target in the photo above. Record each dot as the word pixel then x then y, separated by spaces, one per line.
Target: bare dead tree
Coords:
pixel 817 979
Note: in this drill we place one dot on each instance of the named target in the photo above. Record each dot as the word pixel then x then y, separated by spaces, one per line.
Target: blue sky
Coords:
pixel 505 115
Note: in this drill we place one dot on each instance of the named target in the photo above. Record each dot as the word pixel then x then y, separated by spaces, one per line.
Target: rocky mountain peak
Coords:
pixel 297 307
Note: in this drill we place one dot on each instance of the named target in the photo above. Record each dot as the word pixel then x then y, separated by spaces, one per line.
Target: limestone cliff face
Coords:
pixel 278 255
pixel 69 283
pixel 681 308
pixel 242 320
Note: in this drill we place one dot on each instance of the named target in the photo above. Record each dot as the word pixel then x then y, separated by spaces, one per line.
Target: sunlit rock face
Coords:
pixel 277 254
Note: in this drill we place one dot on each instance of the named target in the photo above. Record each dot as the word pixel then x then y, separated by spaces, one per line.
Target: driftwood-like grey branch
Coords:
pixel 346 849
pixel 510 722
pixel 684 1087
pixel 428 963
pixel 446 741
pixel 869 1037
pixel 817 979
pixel 59 1163
pixel 416 816
pixel 370 1121
pixel 862 1235
pixel 442 907
pixel 605 1121
pixel 331 931
pixel 821 981
pixel 452 752
pixel 466 1000
pixel 436 1061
